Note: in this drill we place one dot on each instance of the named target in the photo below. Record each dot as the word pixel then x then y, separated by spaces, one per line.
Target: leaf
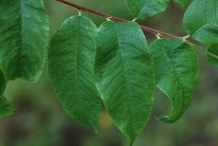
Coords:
pixel 2 84
pixel 124 75
pixel 5 107
pixel 211 60
pixel 201 21
pixel 143 9
pixel 184 3
pixel 176 73
pixel 71 57
pixel 23 40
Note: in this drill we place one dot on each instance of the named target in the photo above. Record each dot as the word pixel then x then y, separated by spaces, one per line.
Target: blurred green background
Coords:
pixel 41 121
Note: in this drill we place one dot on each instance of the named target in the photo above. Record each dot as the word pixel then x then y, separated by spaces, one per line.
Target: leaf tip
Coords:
pixel 166 119
pixel 96 132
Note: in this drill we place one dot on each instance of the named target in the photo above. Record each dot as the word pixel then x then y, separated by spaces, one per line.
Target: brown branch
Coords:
pixel 154 31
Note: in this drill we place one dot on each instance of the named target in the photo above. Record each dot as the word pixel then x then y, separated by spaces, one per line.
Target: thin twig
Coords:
pixel 148 29
pixel 106 16
pixel 202 50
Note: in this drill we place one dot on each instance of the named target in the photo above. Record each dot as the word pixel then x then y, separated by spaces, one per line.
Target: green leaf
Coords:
pixel 124 75
pixel 71 57
pixel 184 3
pixel 176 73
pixel 5 107
pixel 143 9
pixel 211 60
pixel 23 40
pixel 2 84
pixel 201 21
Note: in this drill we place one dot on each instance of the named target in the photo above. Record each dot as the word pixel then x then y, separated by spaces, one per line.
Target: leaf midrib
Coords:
pixel 79 32
pixel 130 109
pixel 175 72
pixel 22 32
pixel 205 23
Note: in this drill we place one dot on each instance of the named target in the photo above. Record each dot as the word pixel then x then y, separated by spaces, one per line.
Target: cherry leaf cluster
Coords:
pixel 111 64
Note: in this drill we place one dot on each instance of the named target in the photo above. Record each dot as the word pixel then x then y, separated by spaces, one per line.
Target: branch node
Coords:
pixel 185 37
pixel 108 18
pixel 158 36
pixel 134 19
pixel 80 12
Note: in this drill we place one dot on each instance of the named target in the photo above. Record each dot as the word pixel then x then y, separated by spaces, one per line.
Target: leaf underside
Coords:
pixel 71 57
pixel 124 76
pixel 146 8
pixel 201 21
pixel 23 40
pixel 176 73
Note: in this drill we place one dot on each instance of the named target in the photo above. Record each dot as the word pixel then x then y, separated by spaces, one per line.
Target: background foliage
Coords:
pixel 40 119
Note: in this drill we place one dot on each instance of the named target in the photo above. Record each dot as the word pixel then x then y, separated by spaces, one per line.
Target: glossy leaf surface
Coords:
pixel 71 57
pixel 176 73
pixel 23 39
pixel 124 75
pixel 201 21
pixel 143 9
pixel 211 60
